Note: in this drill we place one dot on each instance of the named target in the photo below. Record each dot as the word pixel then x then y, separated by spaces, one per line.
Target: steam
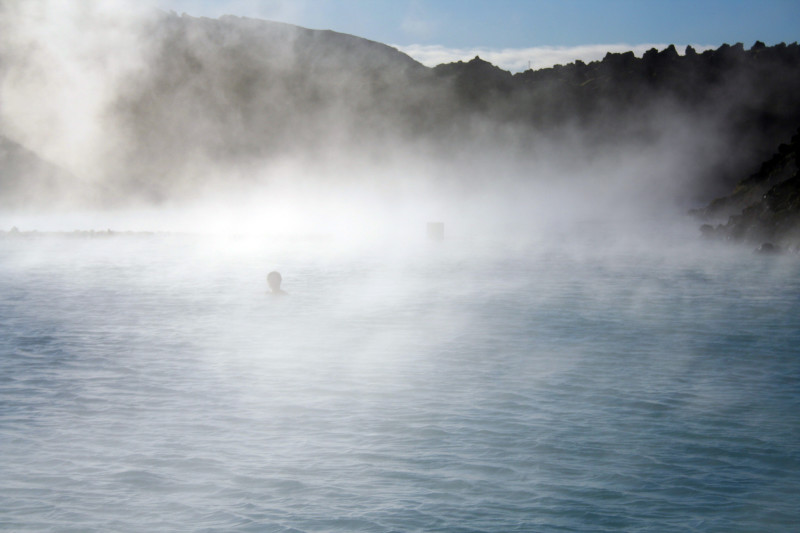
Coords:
pixel 157 366
pixel 62 63
pixel 185 124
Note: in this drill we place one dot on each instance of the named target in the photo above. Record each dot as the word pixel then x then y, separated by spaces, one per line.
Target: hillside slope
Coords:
pixel 214 101
pixel 764 207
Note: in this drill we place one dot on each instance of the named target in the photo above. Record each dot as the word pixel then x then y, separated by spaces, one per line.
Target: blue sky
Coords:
pixel 465 26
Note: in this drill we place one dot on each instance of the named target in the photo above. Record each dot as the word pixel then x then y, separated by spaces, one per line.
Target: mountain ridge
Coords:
pixel 235 92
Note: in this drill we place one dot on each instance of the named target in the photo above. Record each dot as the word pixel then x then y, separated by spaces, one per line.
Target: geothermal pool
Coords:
pixel 150 384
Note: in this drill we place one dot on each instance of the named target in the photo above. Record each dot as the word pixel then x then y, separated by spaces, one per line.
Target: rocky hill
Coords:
pixel 750 96
pixel 238 89
pixel 213 95
pixel 764 208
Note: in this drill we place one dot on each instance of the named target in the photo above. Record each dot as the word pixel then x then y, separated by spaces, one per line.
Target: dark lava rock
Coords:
pixel 765 207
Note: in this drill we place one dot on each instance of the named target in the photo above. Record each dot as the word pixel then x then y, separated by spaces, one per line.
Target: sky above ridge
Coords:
pixel 517 33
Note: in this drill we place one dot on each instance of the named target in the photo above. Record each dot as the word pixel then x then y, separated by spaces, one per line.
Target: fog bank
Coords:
pixel 160 121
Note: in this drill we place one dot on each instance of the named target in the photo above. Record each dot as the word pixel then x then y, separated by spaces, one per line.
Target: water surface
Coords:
pixel 150 384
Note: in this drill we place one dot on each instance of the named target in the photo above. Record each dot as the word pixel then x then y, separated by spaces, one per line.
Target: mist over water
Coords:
pixel 152 383
pixel 569 357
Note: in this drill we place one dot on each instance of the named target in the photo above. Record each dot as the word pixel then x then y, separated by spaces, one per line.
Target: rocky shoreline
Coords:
pixel 764 208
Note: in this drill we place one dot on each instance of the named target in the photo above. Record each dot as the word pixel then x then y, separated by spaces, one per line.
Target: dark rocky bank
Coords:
pixel 764 208
pixel 235 91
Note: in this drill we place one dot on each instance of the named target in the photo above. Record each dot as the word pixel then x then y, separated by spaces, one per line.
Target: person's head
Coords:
pixel 274 281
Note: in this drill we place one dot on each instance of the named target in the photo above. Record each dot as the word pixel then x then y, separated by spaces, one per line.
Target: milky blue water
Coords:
pixel 149 384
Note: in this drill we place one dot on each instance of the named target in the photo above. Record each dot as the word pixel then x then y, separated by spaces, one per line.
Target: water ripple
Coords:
pixel 617 393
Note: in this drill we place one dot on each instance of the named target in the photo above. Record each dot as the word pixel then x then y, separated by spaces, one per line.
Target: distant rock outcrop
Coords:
pixel 238 89
pixel 765 207
pixel 233 88
pixel 219 94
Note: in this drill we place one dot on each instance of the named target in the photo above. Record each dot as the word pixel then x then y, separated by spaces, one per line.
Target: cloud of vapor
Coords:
pixel 61 63
pixel 520 59
pixel 239 125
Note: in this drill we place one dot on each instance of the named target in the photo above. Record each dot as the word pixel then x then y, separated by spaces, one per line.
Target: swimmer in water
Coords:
pixel 274 281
